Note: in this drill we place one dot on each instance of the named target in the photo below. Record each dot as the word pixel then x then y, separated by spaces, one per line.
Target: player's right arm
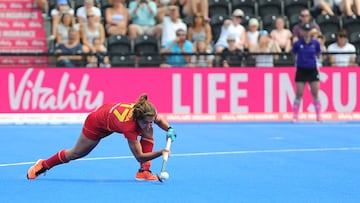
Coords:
pixel 136 149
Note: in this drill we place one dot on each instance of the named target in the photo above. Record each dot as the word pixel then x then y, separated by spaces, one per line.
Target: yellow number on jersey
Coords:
pixel 123 116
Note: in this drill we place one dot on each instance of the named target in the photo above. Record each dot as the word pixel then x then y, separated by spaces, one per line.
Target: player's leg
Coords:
pixel 83 146
pixel 300 86
pixel 315 86
pixel 147 145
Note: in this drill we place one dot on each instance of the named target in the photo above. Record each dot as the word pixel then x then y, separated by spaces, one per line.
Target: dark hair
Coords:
pixel 143 108
pixel 342 32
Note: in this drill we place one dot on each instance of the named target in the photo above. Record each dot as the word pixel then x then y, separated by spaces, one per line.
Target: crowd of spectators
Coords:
pixel 185 32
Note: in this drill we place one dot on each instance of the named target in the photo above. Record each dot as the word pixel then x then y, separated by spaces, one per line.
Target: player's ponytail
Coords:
pixel 143 108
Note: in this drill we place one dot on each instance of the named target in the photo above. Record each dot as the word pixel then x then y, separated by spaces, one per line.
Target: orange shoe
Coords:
pixel 142 175
pixel 35 170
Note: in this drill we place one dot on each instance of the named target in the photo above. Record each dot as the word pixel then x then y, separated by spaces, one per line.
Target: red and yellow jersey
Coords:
pixel 110 118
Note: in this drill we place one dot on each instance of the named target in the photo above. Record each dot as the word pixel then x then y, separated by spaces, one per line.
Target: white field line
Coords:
pixel 213 154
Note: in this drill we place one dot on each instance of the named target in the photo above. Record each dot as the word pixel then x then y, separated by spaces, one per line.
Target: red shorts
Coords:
pixel 94 129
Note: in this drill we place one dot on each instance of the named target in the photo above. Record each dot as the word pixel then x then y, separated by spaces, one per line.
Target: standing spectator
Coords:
pixel 268 47
pixel 281 35
pixel 306 51
pixel 117 18
pixel 56 13
pixel 162 6
pixel 171 23
pixel 143 13
pixel 71 49
pixel 93 38
pixel 200 31
pixel 195 6
pixel 82 12
pixel 234 28
pixel 342 45
pixel 305 19
pixel 66 23
pixel 201 56
pixel 253 33
pixel 178 46
pixel 231 56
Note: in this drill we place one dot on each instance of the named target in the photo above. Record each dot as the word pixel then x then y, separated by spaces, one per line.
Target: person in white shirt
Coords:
pixel 253 33
pixel 342 45
pixel 232 28
pixel 171 23
pixel 82 11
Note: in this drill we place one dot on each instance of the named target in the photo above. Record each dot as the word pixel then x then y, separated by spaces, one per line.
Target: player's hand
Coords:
pixel 171 134
pixel 166 151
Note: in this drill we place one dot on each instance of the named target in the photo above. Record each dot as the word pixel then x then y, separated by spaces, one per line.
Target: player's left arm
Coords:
pixel 163 124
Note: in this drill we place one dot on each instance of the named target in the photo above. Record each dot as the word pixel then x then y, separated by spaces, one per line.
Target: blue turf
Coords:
pixel 211 162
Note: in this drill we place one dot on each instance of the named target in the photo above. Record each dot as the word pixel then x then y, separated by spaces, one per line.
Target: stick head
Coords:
pixel 159 178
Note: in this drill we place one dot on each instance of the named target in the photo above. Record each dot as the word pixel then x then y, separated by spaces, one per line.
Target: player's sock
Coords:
pixel 147 145
pixel 296 108
pixel 56 159
pixel 317 105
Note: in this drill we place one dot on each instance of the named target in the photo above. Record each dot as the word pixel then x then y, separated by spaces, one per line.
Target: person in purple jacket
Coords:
pixel 306 50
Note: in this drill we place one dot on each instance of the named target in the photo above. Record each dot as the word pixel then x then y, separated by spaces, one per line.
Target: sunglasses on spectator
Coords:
pixel 304 15
pixel 90 16
pixel 180 34
pixel 342 36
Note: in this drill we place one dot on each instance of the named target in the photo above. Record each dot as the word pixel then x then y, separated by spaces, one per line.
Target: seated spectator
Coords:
pixel 93 32
pixel 350 7
pixel 171 23
pixel 56 13
pixel 143 13
pixel 72 47
pixel 192 7
pixel 325 7
pixel 342 45
pixel 234 28
pixel 231 56
pixel 253 33
pixel 201 57
pixel 100 59
pixel 266 46
pixel 305 19
pixel 316 34
pixel 67 22
pixel 117 18
pixel 41 4
pixel 281 35
pixel 178 46
pixel 82 12
pixel 200 31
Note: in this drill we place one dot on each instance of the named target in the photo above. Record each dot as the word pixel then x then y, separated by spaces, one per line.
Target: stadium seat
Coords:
pixel 119 44
pixel 219 7
pixel 328 23
pixel 146 44
pixel 293 20
pixel 122 61
pixel 268 22
pixel 248 6
pixel 355 40
pixel 295 6
pixel 330 37
pixel 149 61
pixel 269 7
pixel 351 24
pixel 216 24
pixel 285 59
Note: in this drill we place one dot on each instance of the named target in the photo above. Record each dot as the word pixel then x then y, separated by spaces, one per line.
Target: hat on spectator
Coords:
pixel 253 22
pixel 231 37
pixel 238 12
pixel 61 2
pixel 306 27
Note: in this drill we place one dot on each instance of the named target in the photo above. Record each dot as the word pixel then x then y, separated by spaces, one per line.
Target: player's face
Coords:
pixel 146 123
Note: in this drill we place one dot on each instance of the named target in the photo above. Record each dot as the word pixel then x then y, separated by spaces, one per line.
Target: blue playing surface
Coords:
pixel 210 162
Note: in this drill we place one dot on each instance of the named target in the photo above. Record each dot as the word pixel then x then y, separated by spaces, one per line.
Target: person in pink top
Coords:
pixel 281 35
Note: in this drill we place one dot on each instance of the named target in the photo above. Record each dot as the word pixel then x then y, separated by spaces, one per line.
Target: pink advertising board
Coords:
pixel 194 94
